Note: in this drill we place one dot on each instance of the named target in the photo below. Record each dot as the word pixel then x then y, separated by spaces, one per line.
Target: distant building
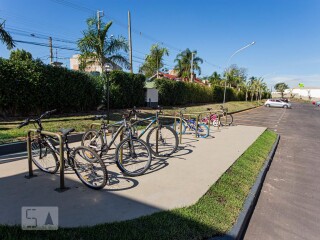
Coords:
pixel 176 78
pixel 305 92
pixel 93 67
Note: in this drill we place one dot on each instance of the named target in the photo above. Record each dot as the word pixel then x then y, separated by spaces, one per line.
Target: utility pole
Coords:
pixel 51 51
pixel 99 18
pixel 130 41
pixel 192 66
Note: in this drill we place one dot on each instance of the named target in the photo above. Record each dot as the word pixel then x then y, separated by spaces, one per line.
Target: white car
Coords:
pixel 277 103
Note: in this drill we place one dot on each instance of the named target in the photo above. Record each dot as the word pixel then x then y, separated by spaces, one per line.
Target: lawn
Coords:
pixel 214 213
pixel 10 133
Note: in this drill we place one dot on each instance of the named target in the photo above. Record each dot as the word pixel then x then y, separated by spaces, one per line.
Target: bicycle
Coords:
pixel 162 139
pixel 202 129
pixel 127 151
pixel 226 119
pixel 87 165
pixel 212 118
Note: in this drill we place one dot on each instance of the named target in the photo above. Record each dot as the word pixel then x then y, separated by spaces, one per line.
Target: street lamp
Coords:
pixel 108 68
pixel 225 83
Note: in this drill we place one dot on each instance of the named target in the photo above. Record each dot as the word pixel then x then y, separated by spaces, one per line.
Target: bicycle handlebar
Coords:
pixel 37 120
pixel 24 123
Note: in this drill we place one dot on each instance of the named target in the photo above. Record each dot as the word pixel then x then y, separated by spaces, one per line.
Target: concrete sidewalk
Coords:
pixel 170 183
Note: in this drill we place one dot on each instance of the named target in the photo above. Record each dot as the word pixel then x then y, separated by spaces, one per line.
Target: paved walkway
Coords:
pixel 171 183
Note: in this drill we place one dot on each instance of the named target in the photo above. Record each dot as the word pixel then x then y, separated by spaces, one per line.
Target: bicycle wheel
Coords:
pixel 167 141
pixel 93 140
pixel 133 157
pixel 214 120
pixel 203 130
pixel 43 156
pixel 183 127
pixel 226 120
pixel 89 167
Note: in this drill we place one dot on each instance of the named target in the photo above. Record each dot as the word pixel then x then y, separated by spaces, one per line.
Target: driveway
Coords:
pixel 289 203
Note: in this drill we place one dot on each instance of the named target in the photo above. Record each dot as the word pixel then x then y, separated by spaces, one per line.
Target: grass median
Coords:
pixel 10 133
pixel 213 214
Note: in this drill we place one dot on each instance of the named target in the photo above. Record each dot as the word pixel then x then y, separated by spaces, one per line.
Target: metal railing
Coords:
pixel 61 155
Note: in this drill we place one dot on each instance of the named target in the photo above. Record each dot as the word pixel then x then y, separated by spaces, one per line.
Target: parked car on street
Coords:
pixel 317 103
pixel 277 103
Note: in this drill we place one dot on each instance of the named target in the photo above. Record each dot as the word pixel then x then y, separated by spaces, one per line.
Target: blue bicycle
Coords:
pixel 203 130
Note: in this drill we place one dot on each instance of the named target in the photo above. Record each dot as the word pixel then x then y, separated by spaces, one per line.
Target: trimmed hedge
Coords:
pixel 126 89
pixel 180 93
pixel 31 87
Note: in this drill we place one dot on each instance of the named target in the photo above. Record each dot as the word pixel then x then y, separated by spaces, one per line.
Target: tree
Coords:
pixel 96 47
pixel 154 61
pixel 235 76
pixel 20 55
pixel 280 87
pixel 183 66
pixel 5 37
pixel 215 79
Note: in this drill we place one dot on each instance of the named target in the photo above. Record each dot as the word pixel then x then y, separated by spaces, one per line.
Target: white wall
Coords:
pixel 305 92
pixel 152 93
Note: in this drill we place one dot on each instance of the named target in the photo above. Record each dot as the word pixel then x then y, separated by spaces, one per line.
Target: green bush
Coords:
pixel 126 89
pixel 31 87
pixel 179 93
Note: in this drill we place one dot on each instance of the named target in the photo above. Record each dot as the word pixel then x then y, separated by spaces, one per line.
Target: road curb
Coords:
pixel 243 110
pixel 18 147
pixel 239 228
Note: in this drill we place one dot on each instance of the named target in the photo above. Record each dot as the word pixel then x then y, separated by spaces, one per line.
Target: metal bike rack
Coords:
pixel 61 157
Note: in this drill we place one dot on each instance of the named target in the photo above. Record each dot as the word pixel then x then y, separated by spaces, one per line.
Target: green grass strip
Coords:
pixel 214 213
pixel 10 133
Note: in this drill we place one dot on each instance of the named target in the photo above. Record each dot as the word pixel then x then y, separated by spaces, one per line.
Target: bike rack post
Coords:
pixel 157 138
pixel 180 137
pixel 121 150
pixel 197 125
pixel 29 154
pixel 61 157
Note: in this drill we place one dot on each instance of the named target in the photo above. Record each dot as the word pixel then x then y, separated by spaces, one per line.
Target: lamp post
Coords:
pixel 108 69
pixel 225 83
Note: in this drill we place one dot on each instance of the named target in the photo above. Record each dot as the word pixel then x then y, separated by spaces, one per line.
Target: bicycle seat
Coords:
pixel 66 131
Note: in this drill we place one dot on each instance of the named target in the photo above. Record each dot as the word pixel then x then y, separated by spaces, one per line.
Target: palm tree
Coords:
pixel 252 86
pixel 154 60
pixel 96 47
pixel 6 37
pixel 183 66
pixel 215 79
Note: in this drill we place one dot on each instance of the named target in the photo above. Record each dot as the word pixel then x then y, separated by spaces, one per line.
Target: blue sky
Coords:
pixel 286 32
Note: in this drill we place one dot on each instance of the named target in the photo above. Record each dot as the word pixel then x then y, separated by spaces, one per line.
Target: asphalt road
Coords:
pixel 289 203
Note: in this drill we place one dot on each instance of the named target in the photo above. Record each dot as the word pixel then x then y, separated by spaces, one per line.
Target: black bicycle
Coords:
pixel 132 156
pixel 86 163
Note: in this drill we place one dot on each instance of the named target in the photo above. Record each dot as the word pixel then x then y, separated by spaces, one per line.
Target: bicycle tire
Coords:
pixel 166 148
pixel 203 130
pixel 93 140
pixel 178 127
pixel 46 154
pixel 226 120
pixel 124 163
pixel 89 157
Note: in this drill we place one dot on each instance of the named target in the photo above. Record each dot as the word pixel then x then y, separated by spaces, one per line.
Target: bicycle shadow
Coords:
pixel 118 182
